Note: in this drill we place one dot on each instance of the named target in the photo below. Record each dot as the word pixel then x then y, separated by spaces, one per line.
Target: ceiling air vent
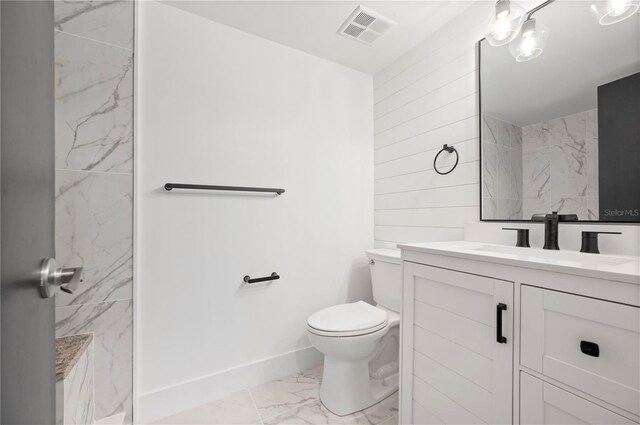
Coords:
pixel 365 25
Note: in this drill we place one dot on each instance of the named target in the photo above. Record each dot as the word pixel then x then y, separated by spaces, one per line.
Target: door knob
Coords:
pixel 68 279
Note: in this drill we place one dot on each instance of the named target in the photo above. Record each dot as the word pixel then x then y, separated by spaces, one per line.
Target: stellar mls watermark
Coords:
pixel 621 213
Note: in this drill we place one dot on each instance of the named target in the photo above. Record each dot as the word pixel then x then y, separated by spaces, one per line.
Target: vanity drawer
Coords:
pixel 542 403
pixel 589 344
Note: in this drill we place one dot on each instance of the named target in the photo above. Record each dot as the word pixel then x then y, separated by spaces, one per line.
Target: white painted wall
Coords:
pixel 219 106
pixel 429 97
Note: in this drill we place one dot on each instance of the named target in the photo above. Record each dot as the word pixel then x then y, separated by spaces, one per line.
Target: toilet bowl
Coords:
pixel 360 342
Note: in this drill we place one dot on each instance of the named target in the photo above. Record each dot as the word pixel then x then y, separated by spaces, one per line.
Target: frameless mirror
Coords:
pixel 561 132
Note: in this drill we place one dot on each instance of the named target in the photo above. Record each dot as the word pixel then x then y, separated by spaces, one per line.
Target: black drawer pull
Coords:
pixel 590 348
pixel 499 309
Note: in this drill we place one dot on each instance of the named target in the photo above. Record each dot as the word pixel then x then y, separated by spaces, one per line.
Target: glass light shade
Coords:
pixel 505 23
pixel 530 42
pixel 614 11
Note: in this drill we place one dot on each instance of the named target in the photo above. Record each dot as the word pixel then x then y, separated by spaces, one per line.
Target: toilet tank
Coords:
pixel 386 277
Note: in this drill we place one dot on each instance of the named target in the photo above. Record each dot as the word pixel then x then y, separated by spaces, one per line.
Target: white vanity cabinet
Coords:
pixel 461 329
pixel 544 403
pixel 589 344
pixel 496 342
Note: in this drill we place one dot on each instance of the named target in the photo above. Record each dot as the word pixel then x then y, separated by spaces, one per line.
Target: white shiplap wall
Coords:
pixel 427 98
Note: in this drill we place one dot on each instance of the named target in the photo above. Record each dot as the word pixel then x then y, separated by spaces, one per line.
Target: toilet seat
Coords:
pixel 351 319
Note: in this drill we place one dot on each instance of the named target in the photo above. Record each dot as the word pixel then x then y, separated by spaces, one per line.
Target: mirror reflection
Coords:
pixel 561 131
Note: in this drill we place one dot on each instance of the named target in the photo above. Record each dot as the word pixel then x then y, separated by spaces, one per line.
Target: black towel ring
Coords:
pixel 449 149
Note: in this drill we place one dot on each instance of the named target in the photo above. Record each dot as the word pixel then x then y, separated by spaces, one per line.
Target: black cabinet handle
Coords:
pixel 590 348
pixel 499 309
pixel 248 279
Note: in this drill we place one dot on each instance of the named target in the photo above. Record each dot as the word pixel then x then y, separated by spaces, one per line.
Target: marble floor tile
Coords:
pixel 391 421
pixel 286 394
pixel 315 413
pixel 236 409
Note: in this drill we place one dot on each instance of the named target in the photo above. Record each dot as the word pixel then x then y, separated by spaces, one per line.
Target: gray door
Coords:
pixel 26 212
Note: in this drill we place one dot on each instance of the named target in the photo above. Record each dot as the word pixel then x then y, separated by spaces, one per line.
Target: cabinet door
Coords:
pixel 457 362
pixel 543 403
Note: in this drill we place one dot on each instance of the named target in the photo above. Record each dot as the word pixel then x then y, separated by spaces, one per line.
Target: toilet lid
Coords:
pixel 358 316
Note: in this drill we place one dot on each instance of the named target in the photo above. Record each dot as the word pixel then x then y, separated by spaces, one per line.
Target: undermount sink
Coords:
pixel 550 255
pixel 614 267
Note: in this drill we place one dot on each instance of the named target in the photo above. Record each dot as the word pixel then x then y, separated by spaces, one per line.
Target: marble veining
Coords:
pixel 560 166
pixel 107 21
pixel 291 400
pixel 78 390
pixel 236 409
pixel 501 132
pixel 569 131
pixel 112 325
pixel 552 165
pixel 316 413
pixel 94 229
pixel 489 170
pixel 94 105
pixel 94 185
pixel 501 169
pixel 535 137
pixel 536 174
pixel 285 394
pixel 506 175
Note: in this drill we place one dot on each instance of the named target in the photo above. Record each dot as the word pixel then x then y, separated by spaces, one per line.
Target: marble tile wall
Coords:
pixel 94 186
pixel 501 169
pixel 560 171
pixel 77 392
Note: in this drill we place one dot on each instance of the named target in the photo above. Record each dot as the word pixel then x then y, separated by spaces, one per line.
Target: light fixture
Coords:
pixel 614 11
pixel 505 23
pixel 530 42
pixel 526 39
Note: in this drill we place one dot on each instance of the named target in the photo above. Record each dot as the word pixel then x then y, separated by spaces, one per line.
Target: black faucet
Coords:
pixel 551 227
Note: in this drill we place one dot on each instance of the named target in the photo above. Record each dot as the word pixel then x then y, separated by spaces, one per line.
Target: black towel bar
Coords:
pixel 170 186
pixel 274 276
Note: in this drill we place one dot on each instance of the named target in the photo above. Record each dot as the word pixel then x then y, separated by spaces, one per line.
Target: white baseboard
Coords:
pixel 187 395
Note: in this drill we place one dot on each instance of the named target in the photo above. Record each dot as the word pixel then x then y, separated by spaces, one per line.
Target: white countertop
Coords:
pixel 612 267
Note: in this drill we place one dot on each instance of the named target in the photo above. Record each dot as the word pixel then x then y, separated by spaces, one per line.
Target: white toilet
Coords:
pixel 360 342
